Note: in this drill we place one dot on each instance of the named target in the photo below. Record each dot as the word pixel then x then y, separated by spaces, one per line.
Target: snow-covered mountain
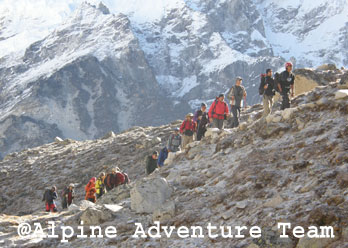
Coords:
pixel 80 69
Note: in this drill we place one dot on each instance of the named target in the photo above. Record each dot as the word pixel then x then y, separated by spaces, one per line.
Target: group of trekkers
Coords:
pixel 95 188
pixel 192 128
pixel 195 125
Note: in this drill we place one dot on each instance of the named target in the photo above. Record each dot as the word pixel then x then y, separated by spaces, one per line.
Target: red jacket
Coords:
pixel 186 125
pixel 218 110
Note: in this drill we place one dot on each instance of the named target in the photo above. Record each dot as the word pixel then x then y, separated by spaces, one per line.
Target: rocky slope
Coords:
pixel 290 167
pixel 79 70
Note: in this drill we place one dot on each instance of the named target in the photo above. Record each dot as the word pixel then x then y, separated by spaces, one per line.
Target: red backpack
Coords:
pixel 120 178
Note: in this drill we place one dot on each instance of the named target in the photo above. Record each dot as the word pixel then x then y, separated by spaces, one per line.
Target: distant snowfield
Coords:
pixel 309 48
pixel 23 22
pixel 27 21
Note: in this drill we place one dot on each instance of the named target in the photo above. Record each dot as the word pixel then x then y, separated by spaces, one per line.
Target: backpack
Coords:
pixel 261 88
pixel 46 194
pixel 277 81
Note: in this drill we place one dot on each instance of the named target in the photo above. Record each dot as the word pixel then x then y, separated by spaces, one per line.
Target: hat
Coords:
pixel 189 115
pixel 221 95
pixel 288 64
pixel 239 78
pixel 203 104
pixel 71 185
pixel 155 153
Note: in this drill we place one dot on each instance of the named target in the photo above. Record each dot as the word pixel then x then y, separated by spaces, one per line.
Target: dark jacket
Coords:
pixel 201 124
pixel 151 165
pixel 270 91
pixel 162 156
pixel 49 196
pixel 286 80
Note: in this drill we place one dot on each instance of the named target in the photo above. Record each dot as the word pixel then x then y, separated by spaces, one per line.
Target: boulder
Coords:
pixel 165 213
pixel 113 207
pixel 274 202
pixel 340 94
pixel 149 194
pixel 58 140
pixel 93 216
pixel 242 204
pixel 109 135
pixel 171 157
pixel 314 243
pixel 344 81
pixel 287 113
pixel 243 126
pixel 86 204
pixel 116 195
pixel 73 207
pixel 342 179
pixel 65 142
pixel 275 118
pixel 212 132
pixel 327 67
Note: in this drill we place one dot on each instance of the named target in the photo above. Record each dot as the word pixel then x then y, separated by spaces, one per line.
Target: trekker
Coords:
pixel 90 190
pixel 218 112
pixel 67 196
pixel 202 119
pixel 162 156
pixel 151 163
pixel 187 128
pixel 267 88
pixel 99 185
pixel 49 196
pixel 236 94
pixel 174 141
pixel 286 85
pixel 115 178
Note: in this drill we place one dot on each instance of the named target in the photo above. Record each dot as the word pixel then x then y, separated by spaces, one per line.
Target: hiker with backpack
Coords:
pixel 286 85
pixel 49 196
pixel 151 163
pixel 90 190
pixel 267 90
pixel 68 195
pixel 202 119
pixel 174 141
pixel 115 178
pixel 187 128
pixel 236 94
pixel 99 185
pixel 162 156
pixel 218 112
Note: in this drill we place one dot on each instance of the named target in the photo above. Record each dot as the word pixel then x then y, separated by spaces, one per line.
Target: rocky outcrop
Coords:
pixel 291 166
pixel 149 194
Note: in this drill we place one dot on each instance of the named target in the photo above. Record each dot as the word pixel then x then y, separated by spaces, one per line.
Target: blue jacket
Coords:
pixel 162 156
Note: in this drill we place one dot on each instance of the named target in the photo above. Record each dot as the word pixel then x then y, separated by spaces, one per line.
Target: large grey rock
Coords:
pixel 341 94
pixel 149 194
pixel 94 216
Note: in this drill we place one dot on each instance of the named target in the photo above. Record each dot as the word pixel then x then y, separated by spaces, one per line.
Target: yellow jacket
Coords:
pixel 99 185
